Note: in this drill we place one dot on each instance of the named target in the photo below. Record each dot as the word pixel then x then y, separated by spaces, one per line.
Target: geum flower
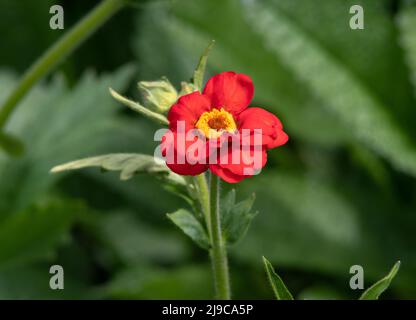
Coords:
pixel 218 115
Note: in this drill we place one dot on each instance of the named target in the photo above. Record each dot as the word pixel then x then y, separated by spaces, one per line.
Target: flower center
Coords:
pixel 213 123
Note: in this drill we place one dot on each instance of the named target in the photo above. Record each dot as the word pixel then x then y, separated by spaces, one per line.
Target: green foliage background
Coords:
pixel 341 192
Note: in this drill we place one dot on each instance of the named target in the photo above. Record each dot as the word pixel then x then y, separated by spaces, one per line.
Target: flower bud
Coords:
pixel 158 95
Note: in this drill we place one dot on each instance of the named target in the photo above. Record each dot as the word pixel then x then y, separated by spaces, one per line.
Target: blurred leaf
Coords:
pixel 407 26
pixel 277 284
pixel 32 233
pixel 158 51
pixel 346 225
pixel 321 292
pixel 374 58
pixel 373 164
pixel 354 103
pixel 28 20
pixel 136 242
pixel 31 282
pixel 136 194
pixel 374 292
pixel 11 144
pixel 236 217
pixel 57 125
pixel 188 282
pixel 187 222
pixel 299 213
pixel 129 164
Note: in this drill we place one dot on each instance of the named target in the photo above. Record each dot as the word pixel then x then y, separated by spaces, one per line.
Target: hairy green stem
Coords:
pixel 72 39
pixel 203 197
pixel 218 245
pixel 209 199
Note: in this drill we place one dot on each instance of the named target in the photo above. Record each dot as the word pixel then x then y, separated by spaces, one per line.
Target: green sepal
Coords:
pixel 236 217
pixel 198 76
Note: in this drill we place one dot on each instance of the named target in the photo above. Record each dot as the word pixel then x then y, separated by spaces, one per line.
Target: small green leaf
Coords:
pixel 236 217
pixel 161 119
pixel 128 163
pixel 380 286
pixel 278 286
pixel 191 226
pixel 11 144
pixel 198 77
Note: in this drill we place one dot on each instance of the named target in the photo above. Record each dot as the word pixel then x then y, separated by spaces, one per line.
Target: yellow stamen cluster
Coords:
pixel 213 123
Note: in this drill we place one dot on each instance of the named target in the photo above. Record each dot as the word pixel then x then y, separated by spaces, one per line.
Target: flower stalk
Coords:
pixel 218 245
pixel 203 198
pixel 210 205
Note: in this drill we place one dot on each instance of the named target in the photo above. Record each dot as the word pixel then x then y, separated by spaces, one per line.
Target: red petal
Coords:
pixel 181 160
pixel 281 139
pixel 187 169
pixel 225 174
pixel 188 108
pixel 272 129
pixel 230 91
pixel 249 160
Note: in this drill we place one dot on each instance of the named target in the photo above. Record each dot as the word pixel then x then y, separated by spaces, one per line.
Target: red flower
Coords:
pixel 219 114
